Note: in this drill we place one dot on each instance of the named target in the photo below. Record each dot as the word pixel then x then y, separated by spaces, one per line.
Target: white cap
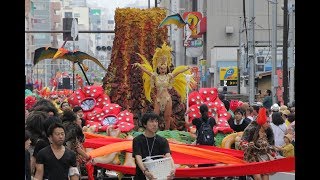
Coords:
pixel 275 107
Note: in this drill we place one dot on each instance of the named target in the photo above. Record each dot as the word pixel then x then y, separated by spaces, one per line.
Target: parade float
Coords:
pixel 124 102
pixel 112 111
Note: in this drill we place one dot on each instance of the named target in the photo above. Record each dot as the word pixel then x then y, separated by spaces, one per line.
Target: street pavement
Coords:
pixel 283 176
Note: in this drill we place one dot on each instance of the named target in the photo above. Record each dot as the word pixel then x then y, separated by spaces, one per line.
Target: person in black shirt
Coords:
pixel 59 162
pixel 203 119
pixel 240 122
pixel 44 141
pixel 149 144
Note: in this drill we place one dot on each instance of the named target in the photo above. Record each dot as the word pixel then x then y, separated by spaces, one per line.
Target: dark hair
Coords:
pixel 47 109
pixel 27 135
pixel 77 108
pixel 226 104
pixel 45 105
pixel 291 117
pixel 49 121
pixel 43 101
pixel 35 125
pixel 277 118
pixel 221 96
pixel 204 111
pixel 256 108
pixel 53 126
pixel 68 115
pixel 225 88
pixel 73 132
pixel 269 92
pixel 149 116
pixel 239 110
pixel 64 102
pixel 252 133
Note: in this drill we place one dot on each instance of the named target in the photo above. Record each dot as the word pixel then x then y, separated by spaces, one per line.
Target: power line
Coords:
pixel 66 31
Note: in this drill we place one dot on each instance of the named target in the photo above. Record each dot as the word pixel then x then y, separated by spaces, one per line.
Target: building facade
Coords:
pixel 227 37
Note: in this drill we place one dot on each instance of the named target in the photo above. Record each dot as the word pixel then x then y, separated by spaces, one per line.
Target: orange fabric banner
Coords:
pixel 188 150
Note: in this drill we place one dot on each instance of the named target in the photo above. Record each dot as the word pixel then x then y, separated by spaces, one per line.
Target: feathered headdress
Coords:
pixel 262 116
pixel 162 57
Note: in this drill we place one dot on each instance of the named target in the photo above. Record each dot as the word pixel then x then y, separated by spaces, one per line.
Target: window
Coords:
pixel 76 15
pixel 260 68
pixel 39 36
pixel 39 21
pixel 260 59
pixel 40 6
pixel 68 14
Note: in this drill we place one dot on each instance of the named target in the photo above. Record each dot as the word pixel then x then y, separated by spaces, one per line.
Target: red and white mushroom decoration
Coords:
pixel 209 96
pixel 195 98
pixel 99 111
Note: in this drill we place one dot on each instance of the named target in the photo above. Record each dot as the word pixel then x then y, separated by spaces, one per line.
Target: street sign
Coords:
pixel 228 76
pixel 194 43
pixel 228 82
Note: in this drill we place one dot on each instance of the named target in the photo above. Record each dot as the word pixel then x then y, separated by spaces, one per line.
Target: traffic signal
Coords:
pixel 103 48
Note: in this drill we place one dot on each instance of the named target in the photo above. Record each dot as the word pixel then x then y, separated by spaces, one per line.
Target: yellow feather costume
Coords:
pixel 179 82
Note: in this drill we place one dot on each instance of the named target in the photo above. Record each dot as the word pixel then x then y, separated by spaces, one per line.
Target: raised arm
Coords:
pixel 142 68
pixel 180 71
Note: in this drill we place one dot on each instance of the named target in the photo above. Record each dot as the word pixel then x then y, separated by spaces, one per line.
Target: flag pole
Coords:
pixel 74 34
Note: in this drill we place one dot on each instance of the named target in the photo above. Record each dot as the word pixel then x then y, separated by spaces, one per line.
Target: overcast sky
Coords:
pixel 111 5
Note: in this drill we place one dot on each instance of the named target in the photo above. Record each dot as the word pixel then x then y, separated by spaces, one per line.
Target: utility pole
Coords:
pixel 291 64
pixel 239 56
pixel 285 53
pixel 210 76
pixel 274 80
pixel 251 51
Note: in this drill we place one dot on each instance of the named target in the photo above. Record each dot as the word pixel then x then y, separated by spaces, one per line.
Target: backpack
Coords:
pixel 205 135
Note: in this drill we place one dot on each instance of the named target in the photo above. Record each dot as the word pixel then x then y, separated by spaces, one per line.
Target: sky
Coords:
pixel 111 5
